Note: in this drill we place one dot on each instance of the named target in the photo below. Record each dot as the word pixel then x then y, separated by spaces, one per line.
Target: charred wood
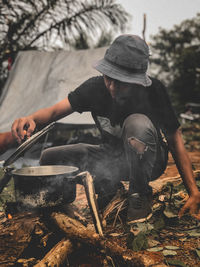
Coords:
pixel 57 256
pixel 75 231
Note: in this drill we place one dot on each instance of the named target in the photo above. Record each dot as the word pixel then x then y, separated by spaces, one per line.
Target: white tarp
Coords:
pixel 40 79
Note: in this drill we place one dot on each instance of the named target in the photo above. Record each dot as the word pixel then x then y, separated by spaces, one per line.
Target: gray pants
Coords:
pixel 139 157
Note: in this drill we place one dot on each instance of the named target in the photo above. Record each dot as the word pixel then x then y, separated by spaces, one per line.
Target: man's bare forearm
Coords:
pixel 53 113
pixel 44 116
pixel 183 162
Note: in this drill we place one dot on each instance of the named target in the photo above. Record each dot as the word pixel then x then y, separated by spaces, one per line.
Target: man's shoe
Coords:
pixel 139 208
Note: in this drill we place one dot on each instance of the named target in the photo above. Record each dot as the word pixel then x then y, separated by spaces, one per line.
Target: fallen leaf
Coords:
pixel 169 214
pixel 169 253
pixel 114 234
pixel 181 194
pixel 180 234
pixel 153 243
pixel 162 198
pixel 193 233
pixel 172 247
pixel 155 249
pixel 156 206
pixel 140 242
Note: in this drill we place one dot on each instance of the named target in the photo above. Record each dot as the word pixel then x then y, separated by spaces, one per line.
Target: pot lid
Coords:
pixel 43 171
pixel 27 144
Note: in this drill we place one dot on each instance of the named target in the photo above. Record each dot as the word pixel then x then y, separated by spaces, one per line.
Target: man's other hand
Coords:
pixel 193 206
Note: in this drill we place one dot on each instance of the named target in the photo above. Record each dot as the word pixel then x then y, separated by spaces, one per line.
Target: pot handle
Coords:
pixel 6 178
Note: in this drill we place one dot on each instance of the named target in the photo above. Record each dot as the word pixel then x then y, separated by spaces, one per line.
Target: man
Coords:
pixel 6 141
pixel 133 114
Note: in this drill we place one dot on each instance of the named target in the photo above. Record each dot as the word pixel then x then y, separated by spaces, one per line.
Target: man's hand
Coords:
pixel 183 163
pixel 26 125
pixel 22 127
pixel 193 206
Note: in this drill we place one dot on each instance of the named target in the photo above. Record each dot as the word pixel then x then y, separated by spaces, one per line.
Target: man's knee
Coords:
pixel 64 154
pixel 139 133
pixel 138 127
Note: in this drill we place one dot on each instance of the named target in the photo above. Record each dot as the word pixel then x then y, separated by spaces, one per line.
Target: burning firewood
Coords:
pixel 92 202
pixel 117 205
pixel 57 255
pixel 77 232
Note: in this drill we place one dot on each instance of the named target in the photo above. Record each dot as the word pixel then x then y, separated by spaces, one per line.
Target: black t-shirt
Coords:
pixel 109 114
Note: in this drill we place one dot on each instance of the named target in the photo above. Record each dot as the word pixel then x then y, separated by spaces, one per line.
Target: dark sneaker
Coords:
pixel 139 208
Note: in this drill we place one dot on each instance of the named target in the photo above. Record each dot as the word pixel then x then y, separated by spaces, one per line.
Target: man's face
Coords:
pixel 115 87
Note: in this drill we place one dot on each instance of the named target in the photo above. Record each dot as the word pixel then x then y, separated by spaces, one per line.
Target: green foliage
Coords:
pixel 159 223
pixel 54 24
pixel 198 252
pixel 1 172
pixel 176 54
pixel 138 242
pixel 8 192
pixel 175 263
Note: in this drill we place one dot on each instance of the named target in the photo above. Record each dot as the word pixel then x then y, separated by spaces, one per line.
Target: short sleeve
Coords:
pixel 83 97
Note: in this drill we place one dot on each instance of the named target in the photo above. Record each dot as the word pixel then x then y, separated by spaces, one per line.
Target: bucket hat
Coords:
pixel 126 60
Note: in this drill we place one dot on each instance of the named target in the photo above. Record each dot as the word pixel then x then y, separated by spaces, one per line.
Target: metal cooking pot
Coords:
pixel 44 186
pixel 40 186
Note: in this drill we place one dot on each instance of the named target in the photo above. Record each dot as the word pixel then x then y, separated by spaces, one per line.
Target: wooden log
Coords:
pixel 92 201
pixel 74 230
pixel 57 256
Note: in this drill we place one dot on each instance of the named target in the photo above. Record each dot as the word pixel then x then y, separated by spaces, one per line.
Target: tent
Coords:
pixel 40 79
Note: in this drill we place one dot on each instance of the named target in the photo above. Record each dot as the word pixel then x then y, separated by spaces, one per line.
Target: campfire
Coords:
pixel 64 236
pixel 37 233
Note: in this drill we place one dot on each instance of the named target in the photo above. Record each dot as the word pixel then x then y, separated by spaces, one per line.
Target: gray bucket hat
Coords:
pixel 126 60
